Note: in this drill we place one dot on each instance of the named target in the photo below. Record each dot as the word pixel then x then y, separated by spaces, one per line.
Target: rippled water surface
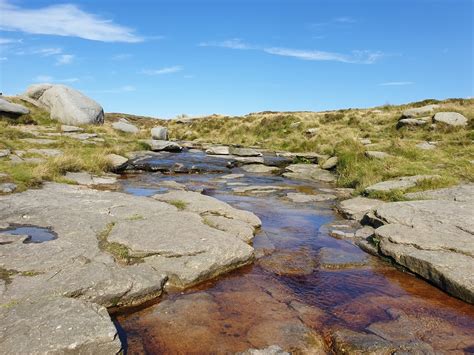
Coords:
pixel 303 287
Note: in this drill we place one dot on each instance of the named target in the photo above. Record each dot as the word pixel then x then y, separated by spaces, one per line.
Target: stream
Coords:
pixel 306 290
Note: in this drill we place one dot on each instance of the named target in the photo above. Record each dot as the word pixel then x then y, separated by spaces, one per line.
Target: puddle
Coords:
pixel 303 286
pixel 36 234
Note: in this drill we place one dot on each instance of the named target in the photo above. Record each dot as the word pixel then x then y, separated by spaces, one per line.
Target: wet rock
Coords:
pixel 401 183
pixel 330 163
pixel 289 262
pixel 304 198
pixel 71 129
pixel 159 133
pixel 117 162
pixel 206 205
pixel 11 109
pixel 249 160
pixel 218 150
pixel 238 228
pixel 450 118
pixel 308 172
pixel 335 233
pixel 313 157
pixel 368 246
pixel 356 208
pixel 244 152
pixel 330 258
pixel 125 126
pixel 57 325
pixel 257 189
pixel 377 155
pixel 418 111
pixel 271 350
pixel 460 193
pixel 432 239
pixel 67 105
pixel 4 152
pixel 162 145
pixel 232 176
pixel 7 187
pixel 259 169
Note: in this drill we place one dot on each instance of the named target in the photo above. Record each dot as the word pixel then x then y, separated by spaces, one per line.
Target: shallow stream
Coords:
pixel 303 287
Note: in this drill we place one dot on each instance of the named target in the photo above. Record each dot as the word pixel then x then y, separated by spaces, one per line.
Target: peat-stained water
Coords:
pixel 304 286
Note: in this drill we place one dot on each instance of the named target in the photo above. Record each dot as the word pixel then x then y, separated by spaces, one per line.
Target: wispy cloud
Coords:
pixel 355 57
pixel 64 20
pixel 50 79
pixel 167 70
pixel 4 40
pixel 64 59
pixel 3 59
pixel 234 43
pixel 344 19
pixel 397 83
pixel 46 52
pixel 122 56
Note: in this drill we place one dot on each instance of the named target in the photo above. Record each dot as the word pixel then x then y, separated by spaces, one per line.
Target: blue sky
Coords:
pixel 163 58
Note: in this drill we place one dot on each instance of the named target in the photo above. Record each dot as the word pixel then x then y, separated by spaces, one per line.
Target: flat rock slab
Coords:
pixel 12 109
pixel 304 198
pixel 57 325
pixel 356 208
pixel 330 258
pixel 259 169
pixel 244 152
pixel 83 178
pixel 432 238
pixel 309 172
pixel 401 183
pixel 460 193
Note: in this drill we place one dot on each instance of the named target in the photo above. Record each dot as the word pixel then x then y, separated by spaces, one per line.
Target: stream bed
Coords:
pixel 306 292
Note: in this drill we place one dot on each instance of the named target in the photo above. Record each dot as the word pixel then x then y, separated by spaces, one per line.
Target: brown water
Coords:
pixel 304 286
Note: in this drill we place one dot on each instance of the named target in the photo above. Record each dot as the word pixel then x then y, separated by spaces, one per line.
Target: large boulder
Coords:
pixel 414 112
pixel 12 109
pixel 66 104
pixel 159 133
pixel 450 118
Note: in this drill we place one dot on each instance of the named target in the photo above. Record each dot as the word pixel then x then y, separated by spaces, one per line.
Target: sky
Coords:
pixel 165 58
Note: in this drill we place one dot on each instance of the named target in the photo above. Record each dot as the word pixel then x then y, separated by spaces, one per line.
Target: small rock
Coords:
pixel 118 162
pixel 271 350
pixel 162 145
pixel 250 160
pixel 218 150
pixel 426 146
pixel 450 118
pixel 12 109
pixel 125 126
pixel 232 176
pixel 259 168
pixel 364 232
pixel 311 132
pixel 46 152
pixel 377 155
pixel 365 141
pixel 7 188
pixel 330 163
pixel 310 172
pixel 295 124
pixel 71 129
pixel 244 152
pixel 4 152
pixel 159 133
pixel 304 198
pixel 335 233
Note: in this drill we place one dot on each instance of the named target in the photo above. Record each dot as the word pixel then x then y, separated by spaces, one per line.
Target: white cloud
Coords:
pixel 397 83
pixel 122 56
pixel 355 57
pixel 63 20
pixel 4 40
pixel 234 43
pixel 344 19
pixel 2 59
pixel 64 59
pixel 46 52
pixel 167 70
pixel 50 79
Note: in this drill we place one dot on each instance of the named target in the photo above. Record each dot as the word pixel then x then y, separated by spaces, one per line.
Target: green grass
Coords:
pixel 118 251
pixel 180 205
